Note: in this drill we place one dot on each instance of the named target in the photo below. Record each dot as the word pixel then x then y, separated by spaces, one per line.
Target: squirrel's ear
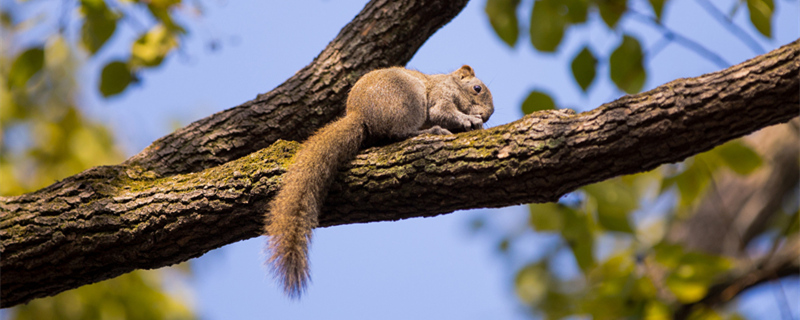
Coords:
pixel 465 71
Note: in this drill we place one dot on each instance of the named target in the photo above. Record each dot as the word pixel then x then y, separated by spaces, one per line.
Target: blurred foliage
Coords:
pixel 550 20
pixel 584 68
pixel 536 101
pixel 90 27
pixel 639 275
pixel 136 295
pixel 45 137
pixel 618 284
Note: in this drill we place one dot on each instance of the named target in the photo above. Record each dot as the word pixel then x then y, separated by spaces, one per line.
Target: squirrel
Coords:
pixel 385 104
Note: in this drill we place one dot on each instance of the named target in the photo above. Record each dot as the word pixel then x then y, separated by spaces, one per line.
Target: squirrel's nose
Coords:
pixel 485 115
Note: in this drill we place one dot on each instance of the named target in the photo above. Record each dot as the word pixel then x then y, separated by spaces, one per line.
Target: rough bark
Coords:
pixel 383 34
pixel 109 220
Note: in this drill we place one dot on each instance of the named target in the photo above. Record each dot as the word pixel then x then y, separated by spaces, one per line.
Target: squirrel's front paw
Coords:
pixel 472 122
pixel 436 130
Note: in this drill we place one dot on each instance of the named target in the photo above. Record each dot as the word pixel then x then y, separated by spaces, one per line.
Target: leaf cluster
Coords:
pixel 96 23
pixel 47 137
pixel 549 22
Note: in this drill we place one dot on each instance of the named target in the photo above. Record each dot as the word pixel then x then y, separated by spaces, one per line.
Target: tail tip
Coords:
pixel 291 273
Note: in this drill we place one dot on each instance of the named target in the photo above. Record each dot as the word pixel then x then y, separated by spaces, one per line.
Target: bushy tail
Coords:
pixel 294 211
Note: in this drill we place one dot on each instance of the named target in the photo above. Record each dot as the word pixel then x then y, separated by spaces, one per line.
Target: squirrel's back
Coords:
pixel 393 103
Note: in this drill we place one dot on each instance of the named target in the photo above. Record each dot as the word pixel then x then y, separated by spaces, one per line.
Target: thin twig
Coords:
pixel 682 40
pixel 732 27
pixel 660 45
pixel 780 297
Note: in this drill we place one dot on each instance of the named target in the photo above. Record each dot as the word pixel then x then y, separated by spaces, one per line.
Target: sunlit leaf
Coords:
pixel 536 101
pixel 151 48
pixel 25 66
pixel 690 279
pixel 761 15
pixel 686 290
pixel 547 25
pixel 531 283
pixel 657 310
pixel 503 18
pixel 611 11
pixel 737 156
pixel 584 68
pixel 701 312
pixel 136 296
pixel 114 78
pixel 627 65
pixel 99 25
pixel 59 52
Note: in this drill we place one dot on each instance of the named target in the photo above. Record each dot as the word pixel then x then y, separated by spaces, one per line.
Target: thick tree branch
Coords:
pixel 383 34
pixel 107 220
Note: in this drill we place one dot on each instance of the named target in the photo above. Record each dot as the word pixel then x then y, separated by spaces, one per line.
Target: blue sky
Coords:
pixel 419 268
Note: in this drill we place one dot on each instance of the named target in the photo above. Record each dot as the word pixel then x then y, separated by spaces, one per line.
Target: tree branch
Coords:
pixel 383 34
pixel 110 220
pixel 783 263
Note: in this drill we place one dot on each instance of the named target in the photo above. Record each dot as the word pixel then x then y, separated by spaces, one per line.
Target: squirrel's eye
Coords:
pixel 477 89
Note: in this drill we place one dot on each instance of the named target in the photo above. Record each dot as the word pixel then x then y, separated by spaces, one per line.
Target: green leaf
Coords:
pixel 151 48
pixel 531 283
pixel 577 10
pixel 547 26
pixel 691 183
pixel 135 296
pixel 611 11
pixel 160 11
pixel 737 156
pixel 546 216
pixel 579 237
pixel 614 201
pixel 584 68
pixel 761 15
pixel 25 66
pixel 689 282
pixel 6 19
pixel 626 65
pixel 614 293
pixel 98 27
pixel 658 8
pixel 164 3
pixel 668 254
pixel 503 17
pixel 536 101
pixel 114 78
